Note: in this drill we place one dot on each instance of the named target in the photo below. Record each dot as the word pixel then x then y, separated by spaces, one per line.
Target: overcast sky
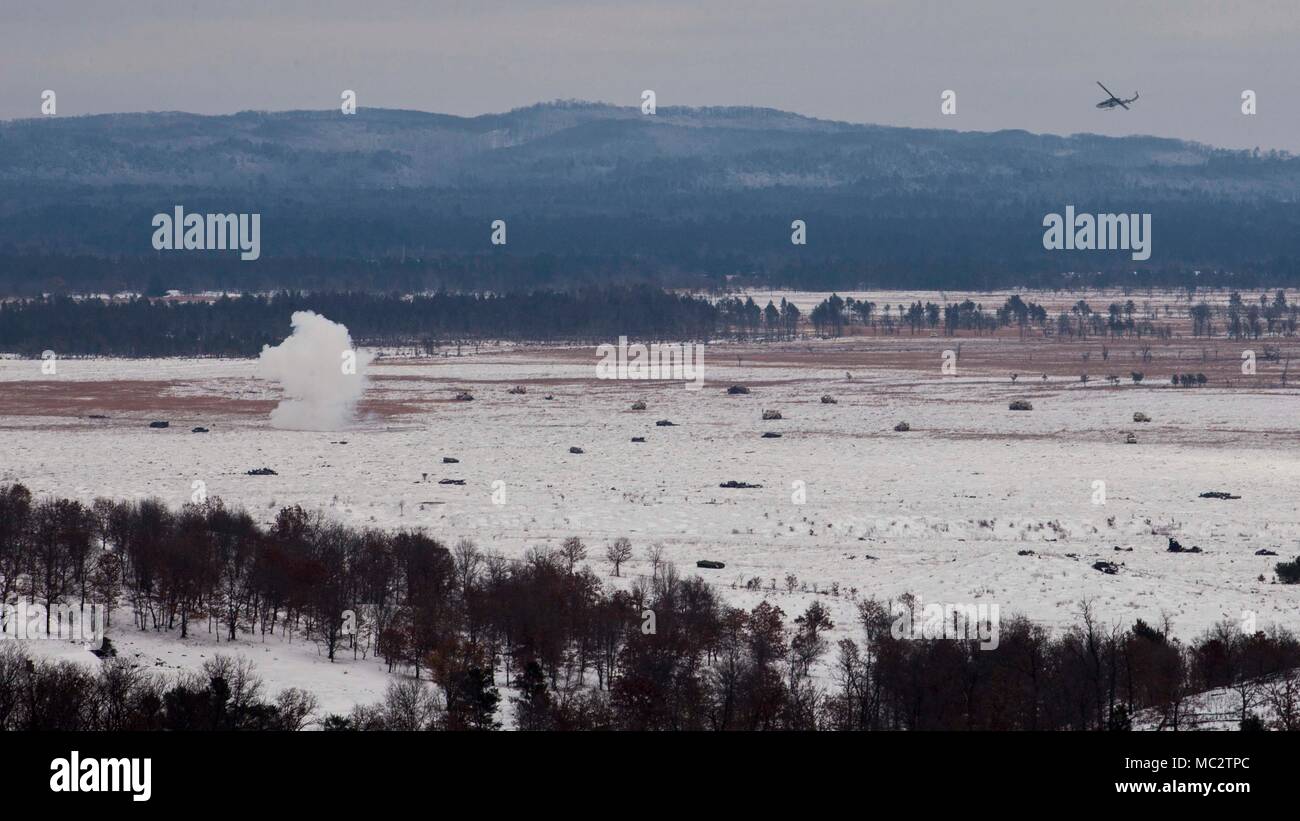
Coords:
pixel 1014 63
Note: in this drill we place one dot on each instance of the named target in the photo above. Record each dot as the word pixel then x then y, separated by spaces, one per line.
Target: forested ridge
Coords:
pixel 598 194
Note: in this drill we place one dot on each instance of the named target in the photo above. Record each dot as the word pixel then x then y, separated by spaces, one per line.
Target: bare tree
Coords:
pixel 295 708
pixel 573 551
pixel 1284 697
pixel 467 562
pixel 618 551
pixel 410 706
pixel 655 554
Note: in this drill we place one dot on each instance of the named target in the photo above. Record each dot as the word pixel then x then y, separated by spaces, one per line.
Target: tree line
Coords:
pixel 240 326
pixel 1268 316
pixel 455 624
pixel 53 270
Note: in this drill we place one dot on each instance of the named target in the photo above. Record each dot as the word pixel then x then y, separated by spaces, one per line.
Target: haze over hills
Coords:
pixel 592 192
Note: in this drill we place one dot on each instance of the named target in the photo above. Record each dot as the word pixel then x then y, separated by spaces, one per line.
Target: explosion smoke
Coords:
pixel 321 390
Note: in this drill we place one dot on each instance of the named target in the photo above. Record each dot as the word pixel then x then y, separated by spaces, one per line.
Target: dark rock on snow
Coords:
pixel 1175 547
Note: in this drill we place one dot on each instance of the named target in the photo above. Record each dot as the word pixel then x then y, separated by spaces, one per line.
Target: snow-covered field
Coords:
pixel 847 505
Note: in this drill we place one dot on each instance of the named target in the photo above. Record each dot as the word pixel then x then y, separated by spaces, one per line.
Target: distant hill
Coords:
pixel 404 199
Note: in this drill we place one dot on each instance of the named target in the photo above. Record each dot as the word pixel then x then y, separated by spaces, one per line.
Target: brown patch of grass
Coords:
pixel 152 399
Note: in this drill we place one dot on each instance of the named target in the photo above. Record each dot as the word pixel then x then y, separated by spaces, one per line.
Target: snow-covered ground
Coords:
pixel 281 661
pixel 846 504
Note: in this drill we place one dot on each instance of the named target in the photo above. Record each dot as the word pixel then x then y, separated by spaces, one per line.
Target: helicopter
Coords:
pixel 1114 101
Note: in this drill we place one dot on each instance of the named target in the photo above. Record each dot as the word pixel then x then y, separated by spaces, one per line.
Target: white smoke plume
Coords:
pixel 314 366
